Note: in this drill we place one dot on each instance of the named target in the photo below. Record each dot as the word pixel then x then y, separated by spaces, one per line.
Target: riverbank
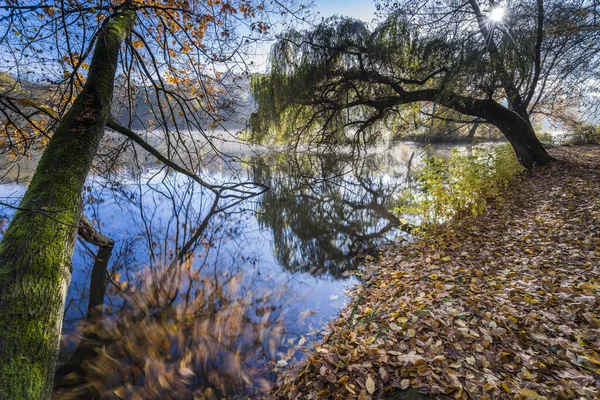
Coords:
pixel 502 306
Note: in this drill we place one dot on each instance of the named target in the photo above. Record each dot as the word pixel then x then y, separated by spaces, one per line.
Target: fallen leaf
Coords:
pixel 370 384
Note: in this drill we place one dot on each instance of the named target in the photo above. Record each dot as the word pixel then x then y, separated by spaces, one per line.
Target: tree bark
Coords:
pixel 517 129
pixel 36 251
pixel 99 277
pixel 473 130
pixel 519 132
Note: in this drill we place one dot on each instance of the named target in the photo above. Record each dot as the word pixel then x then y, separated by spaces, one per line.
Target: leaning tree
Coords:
pixel 70 70
pixel 497 63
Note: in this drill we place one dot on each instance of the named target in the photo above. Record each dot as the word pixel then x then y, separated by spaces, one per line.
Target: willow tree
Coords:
pixel 480 61
pixel 64 62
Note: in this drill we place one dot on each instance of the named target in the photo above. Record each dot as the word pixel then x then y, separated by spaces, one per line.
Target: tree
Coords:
pixel 176 56
pixel 492 64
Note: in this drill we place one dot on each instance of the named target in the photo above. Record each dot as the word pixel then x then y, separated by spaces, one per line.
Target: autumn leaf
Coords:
pixel 370 384
pixel 530 394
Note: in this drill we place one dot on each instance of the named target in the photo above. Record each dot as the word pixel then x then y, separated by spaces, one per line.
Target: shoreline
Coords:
pixel 499 306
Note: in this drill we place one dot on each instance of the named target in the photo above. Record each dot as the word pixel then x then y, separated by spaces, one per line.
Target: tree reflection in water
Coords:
pixel 192 306
pixel 324 210
pixel 180 334
pixel 175 321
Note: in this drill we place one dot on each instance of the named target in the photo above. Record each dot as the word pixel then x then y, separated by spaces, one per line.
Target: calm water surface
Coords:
pixel 299 239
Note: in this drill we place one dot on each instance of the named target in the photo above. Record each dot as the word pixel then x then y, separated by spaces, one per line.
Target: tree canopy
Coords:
pixel 343 80
pixel 180 67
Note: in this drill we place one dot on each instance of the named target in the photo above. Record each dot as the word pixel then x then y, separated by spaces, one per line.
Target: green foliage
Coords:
pixel 545 137
pixel 581 133
pixel 461 185
pixel 318 79
pixel 339 72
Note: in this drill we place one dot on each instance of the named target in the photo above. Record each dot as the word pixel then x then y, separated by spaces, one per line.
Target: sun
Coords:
pixel 497 14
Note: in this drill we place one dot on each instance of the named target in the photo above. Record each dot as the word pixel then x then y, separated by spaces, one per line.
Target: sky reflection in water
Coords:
pixel 299 238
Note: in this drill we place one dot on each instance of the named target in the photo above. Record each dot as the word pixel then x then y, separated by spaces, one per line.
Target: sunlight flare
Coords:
pixel 497 14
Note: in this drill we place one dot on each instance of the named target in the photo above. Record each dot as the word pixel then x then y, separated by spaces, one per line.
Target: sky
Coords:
pixel 360 9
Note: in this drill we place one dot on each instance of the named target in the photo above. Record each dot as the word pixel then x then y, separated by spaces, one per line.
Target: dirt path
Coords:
pixel 505 306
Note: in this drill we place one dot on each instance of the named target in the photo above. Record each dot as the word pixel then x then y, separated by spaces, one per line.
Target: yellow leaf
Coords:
pixel 348 388
pixel 370 385
pixel 588 286
pixel 592 359
pixel 27 102
pixel 120 392
pixel 527 375
pixel 530 394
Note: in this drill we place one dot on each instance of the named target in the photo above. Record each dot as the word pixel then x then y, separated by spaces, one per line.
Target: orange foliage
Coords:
pixel 177 41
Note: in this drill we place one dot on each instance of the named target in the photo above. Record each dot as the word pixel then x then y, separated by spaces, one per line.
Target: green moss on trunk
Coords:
pixel 36 252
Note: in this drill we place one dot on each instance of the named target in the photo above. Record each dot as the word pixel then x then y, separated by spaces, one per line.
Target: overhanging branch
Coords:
pixel 112 124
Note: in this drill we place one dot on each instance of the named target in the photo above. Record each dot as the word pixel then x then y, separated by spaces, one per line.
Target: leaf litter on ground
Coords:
pixel 502 306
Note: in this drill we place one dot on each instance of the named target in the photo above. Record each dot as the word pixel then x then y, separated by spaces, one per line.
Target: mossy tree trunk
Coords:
pixel 36 251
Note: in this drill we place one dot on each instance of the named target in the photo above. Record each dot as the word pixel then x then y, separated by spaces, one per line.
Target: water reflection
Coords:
pixel 205 296
pixel 324 210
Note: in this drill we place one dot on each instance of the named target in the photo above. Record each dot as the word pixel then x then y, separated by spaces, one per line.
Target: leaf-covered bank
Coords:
pixel 502 306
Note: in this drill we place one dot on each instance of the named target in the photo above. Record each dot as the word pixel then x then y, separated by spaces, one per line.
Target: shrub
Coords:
pixel 581 133
pixel 545 137
pixel 461 185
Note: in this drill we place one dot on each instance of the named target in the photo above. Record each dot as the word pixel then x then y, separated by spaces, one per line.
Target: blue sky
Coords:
pixel 360 9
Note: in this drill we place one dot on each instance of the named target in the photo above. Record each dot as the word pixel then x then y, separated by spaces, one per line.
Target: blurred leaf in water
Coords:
pixel 182 334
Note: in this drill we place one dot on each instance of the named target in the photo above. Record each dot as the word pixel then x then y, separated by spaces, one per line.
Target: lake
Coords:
pixel 259 281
